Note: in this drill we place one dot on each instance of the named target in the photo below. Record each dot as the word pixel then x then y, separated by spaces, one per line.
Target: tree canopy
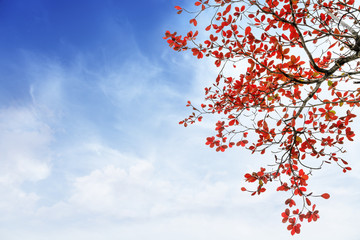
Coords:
pixel 285 85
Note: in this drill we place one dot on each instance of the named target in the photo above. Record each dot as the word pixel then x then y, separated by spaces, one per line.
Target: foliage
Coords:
pixel 294 96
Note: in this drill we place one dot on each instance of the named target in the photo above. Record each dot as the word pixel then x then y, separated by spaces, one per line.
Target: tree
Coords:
pixel 295 97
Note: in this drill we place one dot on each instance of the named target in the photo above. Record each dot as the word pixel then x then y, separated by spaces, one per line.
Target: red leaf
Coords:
pixel 193 21
pixel 247 30
pixel 242 143
pixel 228 8
pixel 197 3
pixel 178 8
pixel 325 196
pixel 349 134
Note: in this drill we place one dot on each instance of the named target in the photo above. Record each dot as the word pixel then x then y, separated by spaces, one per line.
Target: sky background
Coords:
pixel 90 146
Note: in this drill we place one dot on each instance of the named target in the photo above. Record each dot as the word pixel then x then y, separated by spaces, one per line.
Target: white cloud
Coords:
pixel 124 186
pixel 117 192
pixel 24 146
pixel 25 157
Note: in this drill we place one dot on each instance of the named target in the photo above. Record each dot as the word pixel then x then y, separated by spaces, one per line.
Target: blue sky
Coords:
pixel 90 146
